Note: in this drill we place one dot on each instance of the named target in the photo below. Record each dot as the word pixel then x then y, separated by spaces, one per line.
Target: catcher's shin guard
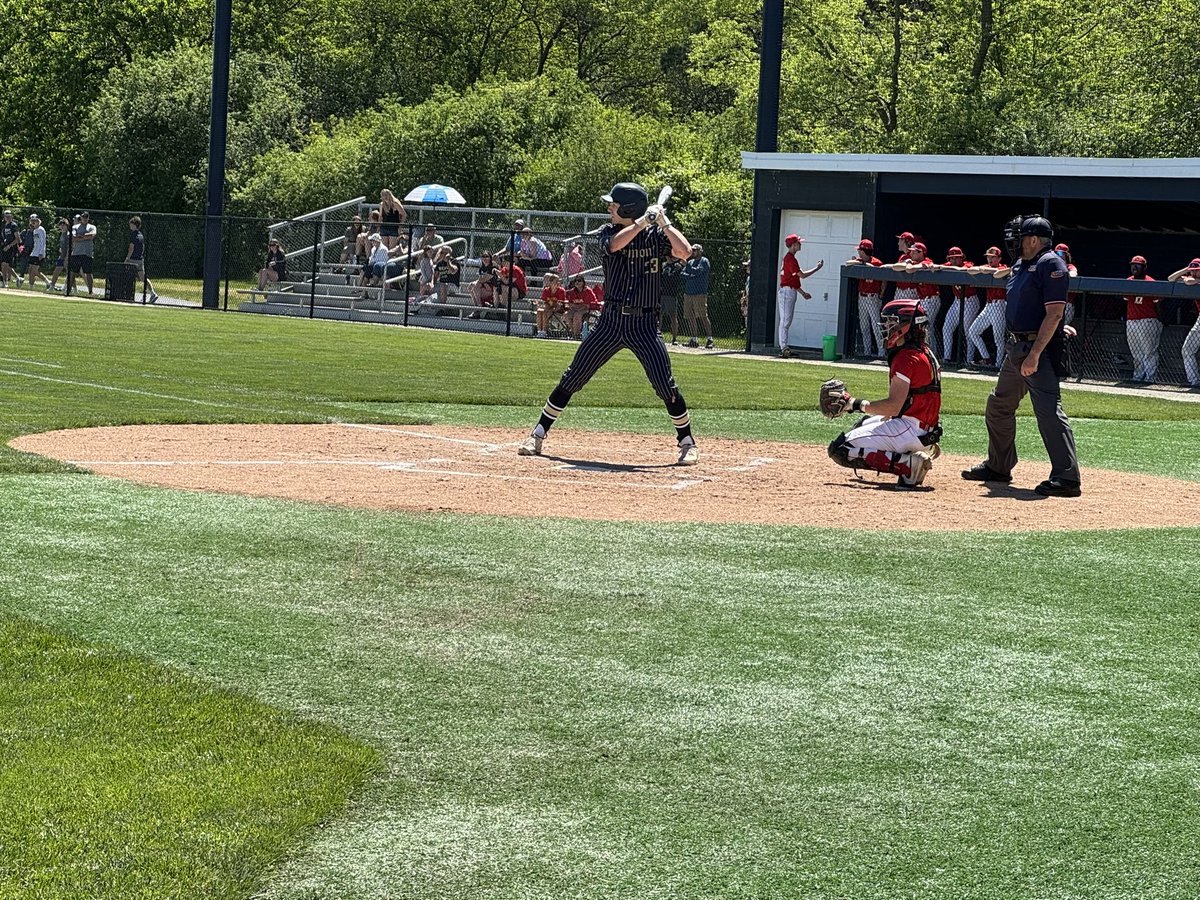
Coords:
pixel 911 468
pixel 839 451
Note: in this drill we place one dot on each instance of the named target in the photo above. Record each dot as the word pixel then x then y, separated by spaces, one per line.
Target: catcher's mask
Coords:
pixel 1022 226
pixel 897 319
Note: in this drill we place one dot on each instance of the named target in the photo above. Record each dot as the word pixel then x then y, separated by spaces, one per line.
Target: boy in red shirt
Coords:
pixel 899 433
pixel 790 287
pixel 580 300
pixel 554 302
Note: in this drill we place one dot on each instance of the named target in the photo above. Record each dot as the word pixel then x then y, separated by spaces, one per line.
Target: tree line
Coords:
pixel 539 102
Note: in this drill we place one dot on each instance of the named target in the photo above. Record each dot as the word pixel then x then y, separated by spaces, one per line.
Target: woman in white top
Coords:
pixel 39 250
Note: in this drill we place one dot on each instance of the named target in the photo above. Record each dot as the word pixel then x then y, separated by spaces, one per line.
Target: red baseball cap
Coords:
pixel 1138 261
pixel 954 251
pixel 906 236
pixel 919 246
pixel 1062 247
pixel 992 251
pixel 793 239
pixel 1194 264
pixel 866 244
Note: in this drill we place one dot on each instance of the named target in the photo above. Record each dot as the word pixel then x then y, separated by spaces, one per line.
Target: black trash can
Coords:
pixel 120 282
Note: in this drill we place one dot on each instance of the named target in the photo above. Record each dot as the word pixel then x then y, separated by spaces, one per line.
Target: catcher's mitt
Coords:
pixel 834 399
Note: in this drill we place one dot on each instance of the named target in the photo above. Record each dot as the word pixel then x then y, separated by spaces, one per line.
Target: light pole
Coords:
pixel 218 121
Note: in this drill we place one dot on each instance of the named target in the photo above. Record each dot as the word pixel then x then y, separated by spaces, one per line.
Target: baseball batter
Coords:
pixel 1191 344
pixel 870 293
pixel 635 245
pixel 790 286
pixel 899 434
pixel 1142 327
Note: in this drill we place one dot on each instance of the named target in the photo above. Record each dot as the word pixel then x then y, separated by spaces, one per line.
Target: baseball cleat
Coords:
pixel 984 472
pixel 531 446
pixel 688 454
pixel 1058 487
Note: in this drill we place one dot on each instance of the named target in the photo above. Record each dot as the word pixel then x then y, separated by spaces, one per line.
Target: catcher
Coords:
pixel 899 434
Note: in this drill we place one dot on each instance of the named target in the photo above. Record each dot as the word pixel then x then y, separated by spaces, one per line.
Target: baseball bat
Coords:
pixel 663 196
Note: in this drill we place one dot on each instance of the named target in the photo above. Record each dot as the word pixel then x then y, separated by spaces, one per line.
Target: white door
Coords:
pixel 833 237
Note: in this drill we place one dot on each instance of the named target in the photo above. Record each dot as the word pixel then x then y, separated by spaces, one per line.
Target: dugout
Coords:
pixel 1107 210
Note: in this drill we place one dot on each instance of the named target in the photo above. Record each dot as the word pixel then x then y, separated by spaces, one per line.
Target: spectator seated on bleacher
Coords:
pixel 532 254
pixel 511 285
pixel 377 262
pixel 570 263
pixel 275 267
pixel 552 306
pixel 580 299
pixel 374 223
pixel 446 273
pixel 483 289
pixel 350 245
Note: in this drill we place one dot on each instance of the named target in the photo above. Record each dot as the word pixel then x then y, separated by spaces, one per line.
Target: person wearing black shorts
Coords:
pixel 636 245
pixel 10 240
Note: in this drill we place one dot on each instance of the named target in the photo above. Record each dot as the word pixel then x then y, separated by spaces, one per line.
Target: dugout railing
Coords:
pixel 1100 350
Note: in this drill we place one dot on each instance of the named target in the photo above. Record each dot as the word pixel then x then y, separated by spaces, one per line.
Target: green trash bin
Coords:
pixel 829 347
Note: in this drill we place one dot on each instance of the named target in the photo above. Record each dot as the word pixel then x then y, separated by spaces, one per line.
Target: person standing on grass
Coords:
pixel 37 250
pixel 83 251
pixel 135 255
pixel 10 240
pixel 696 274
pixel 64 247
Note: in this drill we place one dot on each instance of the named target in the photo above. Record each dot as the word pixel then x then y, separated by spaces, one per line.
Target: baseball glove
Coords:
pixel 834 398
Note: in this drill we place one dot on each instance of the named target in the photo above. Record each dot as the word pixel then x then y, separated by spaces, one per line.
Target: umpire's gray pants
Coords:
pixel 1042 387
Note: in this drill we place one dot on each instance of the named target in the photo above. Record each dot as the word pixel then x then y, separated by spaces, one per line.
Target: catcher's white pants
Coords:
pixel 899 435
pixel 1191 346
pixel 787 308
pixel 1143 335
pixel 960 311
pixel 991 316
pixel 868 324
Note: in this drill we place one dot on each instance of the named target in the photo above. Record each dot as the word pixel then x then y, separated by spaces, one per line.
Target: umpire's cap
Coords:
pixel 1036 225
pixel 630 197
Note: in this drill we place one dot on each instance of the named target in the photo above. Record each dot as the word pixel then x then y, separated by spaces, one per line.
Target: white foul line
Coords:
pixel 386 466
pixel 31 362
pixel 121 390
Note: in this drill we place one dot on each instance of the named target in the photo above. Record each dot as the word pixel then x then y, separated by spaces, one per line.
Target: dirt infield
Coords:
pixel 596 475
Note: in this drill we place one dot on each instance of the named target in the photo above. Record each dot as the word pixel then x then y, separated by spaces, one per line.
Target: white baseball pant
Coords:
pixel 1143 335
pixel 1191 346
pixel 960 312
pixel 905 293
pixel 931 306
pixel 786 302
pixel 868 324
pixel 991 316
pixel 898 435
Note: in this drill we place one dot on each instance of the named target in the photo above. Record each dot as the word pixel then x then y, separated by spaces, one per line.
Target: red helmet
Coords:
pixel 897 318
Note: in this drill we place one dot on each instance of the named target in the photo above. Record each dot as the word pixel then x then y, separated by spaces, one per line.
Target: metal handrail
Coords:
pixel 319 212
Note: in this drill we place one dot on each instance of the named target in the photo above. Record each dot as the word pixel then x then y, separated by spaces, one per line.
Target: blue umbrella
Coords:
pixel 435 193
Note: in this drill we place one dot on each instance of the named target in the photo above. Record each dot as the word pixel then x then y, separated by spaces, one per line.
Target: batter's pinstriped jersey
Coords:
pixel 632 274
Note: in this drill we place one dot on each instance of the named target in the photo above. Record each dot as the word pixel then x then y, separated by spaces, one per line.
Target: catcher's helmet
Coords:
pixel 1022 226
pixel 630 197
pixel 897 319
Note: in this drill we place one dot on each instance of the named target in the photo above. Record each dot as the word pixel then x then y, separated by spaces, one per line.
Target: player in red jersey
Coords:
pixel 790 287
pixel 965 308
pixel 1190 274
pixel 1064 253
pixel 1142 327
pixel 899 433
pixel 992 316
pixel 930 295
pixel 869 293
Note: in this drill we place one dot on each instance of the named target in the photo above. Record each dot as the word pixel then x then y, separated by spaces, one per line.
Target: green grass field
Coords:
pixel 214 696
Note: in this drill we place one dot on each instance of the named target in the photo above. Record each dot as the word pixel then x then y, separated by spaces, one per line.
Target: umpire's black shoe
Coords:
pixel 1058 487
pixel 984 472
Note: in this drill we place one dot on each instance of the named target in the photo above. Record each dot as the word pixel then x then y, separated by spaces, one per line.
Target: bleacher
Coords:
pixel 329 289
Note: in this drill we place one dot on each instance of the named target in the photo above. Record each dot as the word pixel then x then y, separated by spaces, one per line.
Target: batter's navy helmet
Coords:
pixel 631 199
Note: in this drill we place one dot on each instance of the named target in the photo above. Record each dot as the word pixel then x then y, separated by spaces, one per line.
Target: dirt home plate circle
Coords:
pixel 597 475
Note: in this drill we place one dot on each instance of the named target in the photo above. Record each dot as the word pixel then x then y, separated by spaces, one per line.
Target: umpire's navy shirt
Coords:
pixel 1032 283
pixel 632 275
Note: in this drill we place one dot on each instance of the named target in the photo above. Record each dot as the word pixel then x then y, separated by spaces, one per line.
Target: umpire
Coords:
pixel 1037 297
pixel 637 243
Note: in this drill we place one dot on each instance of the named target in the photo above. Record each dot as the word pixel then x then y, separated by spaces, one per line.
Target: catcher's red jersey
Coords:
pixel 914 367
